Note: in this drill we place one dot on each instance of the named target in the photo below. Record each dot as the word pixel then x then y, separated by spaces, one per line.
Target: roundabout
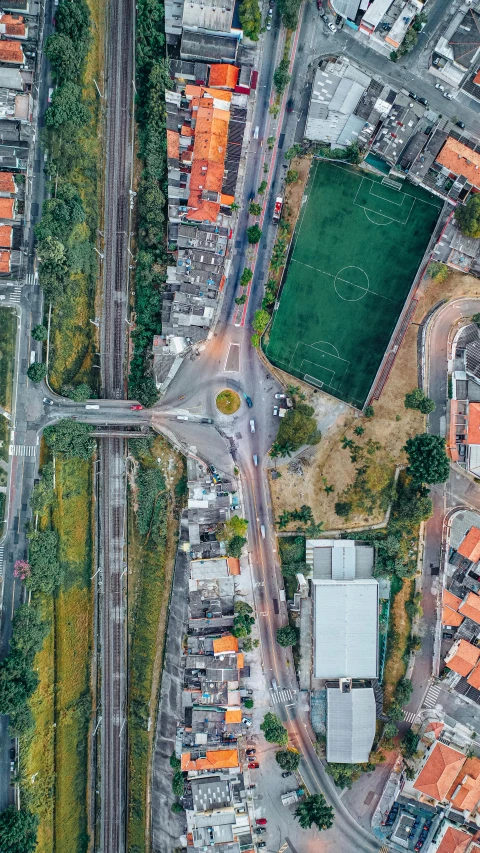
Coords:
pixel 227 402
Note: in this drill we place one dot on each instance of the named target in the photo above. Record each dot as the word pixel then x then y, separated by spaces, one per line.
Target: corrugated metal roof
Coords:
pixel 350 725
pixel 351 131
pixel 346 8
pixel 343 561
pixel 346 628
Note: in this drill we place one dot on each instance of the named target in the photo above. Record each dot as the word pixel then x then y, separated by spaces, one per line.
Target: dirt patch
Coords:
pixel 328 464
pixel 294 192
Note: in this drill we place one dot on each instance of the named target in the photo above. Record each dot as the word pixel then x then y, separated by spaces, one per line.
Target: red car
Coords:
pixel 254 765
pixel 261 821
pixel 136 408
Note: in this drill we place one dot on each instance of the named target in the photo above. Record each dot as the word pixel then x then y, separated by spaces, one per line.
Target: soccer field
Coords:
pixel 356 250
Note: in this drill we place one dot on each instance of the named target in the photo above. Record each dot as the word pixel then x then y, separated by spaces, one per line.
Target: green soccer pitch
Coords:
pixel 356 250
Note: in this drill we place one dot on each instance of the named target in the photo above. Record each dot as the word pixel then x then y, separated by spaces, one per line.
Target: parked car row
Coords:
pixel 423 835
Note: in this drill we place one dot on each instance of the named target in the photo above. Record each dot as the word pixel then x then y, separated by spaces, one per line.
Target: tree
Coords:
pixel 395 712
pixel 235 546
pixel 175 762
pixel 177 808
pixel 248 703
pixel 78 393
pixel 178 783
pixel 286 636
pixel 46 574
pixel 291 177
pixel 419 21
pixel 66 60
pixel 255 340
pixel 298 427
pixel 242 625
pixel 403 691
pixel 417 399
pixel 428 462
pixel 71 439
pixel 235 526
pixel 254 232
pixel 288 759
pixel 390 730
pixel 37 371
pixel 273 730
pixel 409 744
pixel 21 569
pixel 289 11
pixel 412 504
pixel 292 152
pixel 467 216
pixel 476 319
pixel 437 271
pixel 344 775
pixel 281 77
pixel 28 632
pixel 314 809
pixel 67 108
pixel 262 188
pixel 250 18
pixel 254 208
pixel 18 830
pixel 261 320
pixel 369 411
pixel 39 333
pixel 73 20
pixel 145 390
pixel 246 277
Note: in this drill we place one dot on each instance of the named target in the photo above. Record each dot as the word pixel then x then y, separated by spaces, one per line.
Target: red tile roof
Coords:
pixel 454 841
pixel 470 547
pixel 465 791
pixel 225 644
pixel 461 160
pixel 6 208
pixel 7 184
pixel 214 760
pixel 462 657
pixel 439 771
pixel 6 233
pixel 436 727
pixel 470 607
pixel 11 51
pixel 4 260
pixel 225 76
pixel 173 142
pixel 12 25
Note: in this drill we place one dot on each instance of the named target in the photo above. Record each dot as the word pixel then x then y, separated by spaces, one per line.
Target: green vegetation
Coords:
pixel 227 402
pixel 243 620
pixel 39 333
pixel 298 427
pixel 233 533
pixel 291 177
pixel 254 208
pixel 314 809
pixel 409 744
pixel 417 399
pixel 67 232
pixel 155 500
pixel 281 77
pixel 438 272
pixel 467 216
pixel 261 320
pixel 18 680
pixel 248 703
pixel 288 759
pixel 344 775
pixel 71 439
pixel 286 636
pixel 8 334
pixel 351 256
pixel 37 371
pixel 273 730
pixel 289 10
pixel 254 232
pixel 18 831
pixel 292 557
pixel 372 488
pixel 250 18
pixel 350 154
pixel 262 188
pixel 246 277
pixel 303 515
pixel 79 393
pixel 178 783
pixel 427 460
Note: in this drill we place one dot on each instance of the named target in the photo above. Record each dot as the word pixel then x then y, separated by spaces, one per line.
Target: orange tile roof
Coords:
pixel 462 657
pixel 460 160
pixel 206 175
pixel 7 184
pixel 233 715
pixel 470 607
pixel 206 211
pixel 451 600
pixel 454 841
pixel 474 677
pixel 225 644
pixel 476 79
pixel 436 727
pixel 227 199
pixel 223 75
pixel 465 791
pixel 11 51
pixel 214 760
pixel 173 143
pixel 6 208
pixel 233 565
pixel 4 261
pixel 240 660
pixel 439 771
pixel 473 425
pixel 6 233
pixel 470 547
pixel 451 617
pixel 12 25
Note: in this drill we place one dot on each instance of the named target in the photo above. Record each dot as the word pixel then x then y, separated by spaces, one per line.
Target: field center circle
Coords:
pixel 351 284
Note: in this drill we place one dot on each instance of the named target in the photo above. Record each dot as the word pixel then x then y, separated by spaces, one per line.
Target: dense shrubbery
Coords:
pixel 17 677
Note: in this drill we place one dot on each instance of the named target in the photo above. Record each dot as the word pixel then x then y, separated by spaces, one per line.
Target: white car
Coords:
pixel 270 13
pixel 439 86
pixel 269 26
pixel 448 95
pixel 275 411
pixel 280 396
pixel 332 27
pixel 252 425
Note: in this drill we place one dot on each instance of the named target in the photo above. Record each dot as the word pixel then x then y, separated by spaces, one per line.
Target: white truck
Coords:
pixel 292 797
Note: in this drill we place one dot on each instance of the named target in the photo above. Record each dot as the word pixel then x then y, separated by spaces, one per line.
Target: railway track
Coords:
pixel 113 628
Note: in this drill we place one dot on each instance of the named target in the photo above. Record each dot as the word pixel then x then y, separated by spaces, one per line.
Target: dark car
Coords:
pixel 423 101
pixel 248 401
pixel 413 95
pixel 286 773
pixel 289 105
pixel 460 124
pixel 447 635
pixel 212 468
pixel 207 421
pixel 254 765
pixel 262 844
pixel 12 753
pixel 250 751
pixel 260 831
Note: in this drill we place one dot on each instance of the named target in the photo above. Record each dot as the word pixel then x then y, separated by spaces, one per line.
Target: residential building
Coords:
pixel 337 114
pixel 462 657
pixel 11 52
pixel 13 26
pixel 386 22
pixel 351 719
pixel 457 50
pixel 449 777
pixel 345 596
pixel 451 839
pixel 461 161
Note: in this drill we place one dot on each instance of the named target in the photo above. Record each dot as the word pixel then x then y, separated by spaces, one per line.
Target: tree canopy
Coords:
pixel 71 439
pixel 289 10
pixel 18 830
pixel 67 108
pixel 45 574
pixel 39 333
pixel 417 399
pixel 467 216
pixel 428 462
pixel 298 427
pixel 286 636
pixel 273 730
pixel 250 18
pixel 288 759
pixel 314 809
pixel 37 371
pixel 254 232
pixel 281 77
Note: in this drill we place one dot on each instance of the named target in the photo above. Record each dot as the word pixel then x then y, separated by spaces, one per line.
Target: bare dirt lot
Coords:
pixel 328 463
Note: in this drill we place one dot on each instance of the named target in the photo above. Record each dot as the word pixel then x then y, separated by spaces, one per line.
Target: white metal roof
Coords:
pixel 376 11
pixel 346 628
pixel 350 724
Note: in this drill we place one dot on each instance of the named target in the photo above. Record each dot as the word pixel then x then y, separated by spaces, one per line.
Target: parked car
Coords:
pixel 261 821
pixel 286 773
pixel 439 86
pixel 248 401
pixel 260 831
pixel 448 95
pixel 413 96
pixel 460 124
pixel 251 751
pixel 275 411
pixel 447 635
pixel 246 721
pixel 423 101
pixel 212 469
pixel 280 396
pixel 269 25
pixel 270 12
pixel 207 421
pixel 254 765
pixel 12 753
pixel 12 767
pixel 136 408
pixel 332 27
pixel 262 844
pixel 251 787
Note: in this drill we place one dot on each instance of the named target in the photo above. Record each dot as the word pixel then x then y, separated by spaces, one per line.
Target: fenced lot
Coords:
pixel 357 247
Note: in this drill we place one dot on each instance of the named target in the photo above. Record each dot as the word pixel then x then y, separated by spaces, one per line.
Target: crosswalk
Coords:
pixel 409 716
pixel 22 449
pixel 30 278
pixel 15 295
pixel 432 695
pixel 283 695
pixel 1 561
